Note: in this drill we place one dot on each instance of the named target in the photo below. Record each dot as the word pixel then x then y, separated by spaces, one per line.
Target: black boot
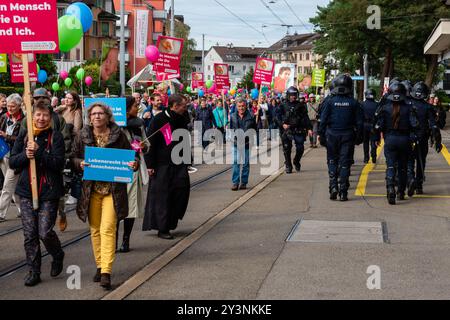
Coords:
pixel 125 245
pixel 343 196
pixel 401 195
pixel 333 193
pixel 57 266
pixel 288 161
pixel 411 188
pixel 288 169
pixel 391 195
pixel 32 279
pixel 105 281
pixel 98 275
pixel 297 164
pixel 419 190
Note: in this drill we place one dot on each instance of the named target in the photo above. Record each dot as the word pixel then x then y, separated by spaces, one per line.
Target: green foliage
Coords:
pixel 405 27
pixel 247 81
pixel 47 63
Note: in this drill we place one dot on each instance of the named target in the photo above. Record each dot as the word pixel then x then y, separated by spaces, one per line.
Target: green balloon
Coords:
pixel 70 32
pixel 189 89
pixel 209 83
pixel 80 74
pixel 68 82
pixel 38 68
pixel 55 86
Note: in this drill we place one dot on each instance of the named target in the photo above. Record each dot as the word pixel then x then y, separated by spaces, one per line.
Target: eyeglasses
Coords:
pixel 100 114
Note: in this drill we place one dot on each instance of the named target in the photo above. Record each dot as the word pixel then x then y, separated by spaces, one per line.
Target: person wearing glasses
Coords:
pixel 102 203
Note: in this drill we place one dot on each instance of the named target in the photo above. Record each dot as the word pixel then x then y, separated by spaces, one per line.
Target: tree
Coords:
pixel 247 81
pixel 394 50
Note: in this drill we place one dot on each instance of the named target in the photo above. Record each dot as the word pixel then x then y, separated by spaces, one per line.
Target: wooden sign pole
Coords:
pixel 29 112
pixel 259 103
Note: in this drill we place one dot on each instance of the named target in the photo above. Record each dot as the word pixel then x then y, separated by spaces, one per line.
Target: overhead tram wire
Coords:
pixel 298 18
pixel 273 13
pixel 242 20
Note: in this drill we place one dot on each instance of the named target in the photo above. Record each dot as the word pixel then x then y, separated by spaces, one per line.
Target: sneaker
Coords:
pixel 71 200
pixel 243 187
pixel 62 223
pixel 235 187
pixel 191 169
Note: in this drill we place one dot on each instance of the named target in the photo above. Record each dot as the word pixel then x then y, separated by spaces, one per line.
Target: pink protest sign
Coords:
pixel 167 133
pixel 197 80
pixel 264 71
pixel 28 26
pixel 221 76
pixel 17 67
pixel 168 65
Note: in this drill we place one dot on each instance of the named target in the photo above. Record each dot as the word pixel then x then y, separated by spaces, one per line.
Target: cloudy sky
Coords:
pixel 213 18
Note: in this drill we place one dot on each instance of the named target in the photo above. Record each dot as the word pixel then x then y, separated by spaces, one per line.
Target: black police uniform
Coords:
pixel 369 106
pixel 296 116
pixel 398 141
pixel 427 125
pixel 341 125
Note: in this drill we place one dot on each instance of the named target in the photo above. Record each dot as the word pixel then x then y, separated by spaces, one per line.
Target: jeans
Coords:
pixel 239 159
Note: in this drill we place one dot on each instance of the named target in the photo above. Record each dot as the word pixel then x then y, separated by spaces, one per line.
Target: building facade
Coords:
pixel 144 22
pixel 296 49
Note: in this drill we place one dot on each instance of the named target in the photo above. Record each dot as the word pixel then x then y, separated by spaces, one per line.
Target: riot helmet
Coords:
pixel 342 84
pixel 420 91
pixel 397 92
pixel 369 94
pixel 292 91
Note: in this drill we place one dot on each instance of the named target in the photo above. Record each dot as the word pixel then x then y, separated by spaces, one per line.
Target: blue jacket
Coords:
pixel 407 123
pixel 205 115
pixel 369 107
pixel 341 115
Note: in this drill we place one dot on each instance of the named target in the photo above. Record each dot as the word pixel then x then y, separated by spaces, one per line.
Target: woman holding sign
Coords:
pixel 103 203
pixel 47 149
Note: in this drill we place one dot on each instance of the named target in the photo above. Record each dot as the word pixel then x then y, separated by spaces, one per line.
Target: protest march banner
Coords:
pixel 168 65
pixel 197 80
pixel 221 76
pixel 3 63
pixel 263 71
pixel 117 105
pixel 28 26
pixel 16 67
pixel 284 76
pixel 318 78
pixel 108 164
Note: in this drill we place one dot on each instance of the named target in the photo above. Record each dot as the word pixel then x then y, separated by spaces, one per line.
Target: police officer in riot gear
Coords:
pixel 398 123
pixel 341 127
pixel 369 106
pixel 427 125
pixel 296 126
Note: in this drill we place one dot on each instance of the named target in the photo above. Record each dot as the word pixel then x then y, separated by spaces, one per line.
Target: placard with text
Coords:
pixel 264 71
pixel 168 65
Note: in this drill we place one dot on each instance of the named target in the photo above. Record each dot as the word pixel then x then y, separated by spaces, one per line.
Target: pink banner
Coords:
pixel 197 80
pixel 221 76
pixel 16 67
pixel 28 26
pixel 168 65
pixel 167 133
pixel 264 71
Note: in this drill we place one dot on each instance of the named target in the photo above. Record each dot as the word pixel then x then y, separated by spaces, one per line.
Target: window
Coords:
pixel 446 81
pixel 307 70
pixel 299 70
pixel 78 55
pixel 105 29
pixel 244 68
pixel 95 28
pixel 231 69
pixel 296 57
pixel 307 56
pixel 300 56
pixel 209 77
pixel 209 69
pixel 94 53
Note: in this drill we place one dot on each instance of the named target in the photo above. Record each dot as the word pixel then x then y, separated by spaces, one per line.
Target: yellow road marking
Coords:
pixel 446 154
pixel 415 196
pixel 362 183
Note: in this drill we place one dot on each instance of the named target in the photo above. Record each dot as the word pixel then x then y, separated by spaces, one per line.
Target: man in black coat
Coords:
pixel 168 196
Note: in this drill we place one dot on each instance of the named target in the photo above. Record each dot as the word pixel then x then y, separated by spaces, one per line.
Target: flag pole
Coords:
pixel 29 111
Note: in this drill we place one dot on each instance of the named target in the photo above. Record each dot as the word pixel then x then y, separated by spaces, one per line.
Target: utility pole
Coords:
pixel 366 72
pixel 203 54
pixel 122 47
pixel 172 19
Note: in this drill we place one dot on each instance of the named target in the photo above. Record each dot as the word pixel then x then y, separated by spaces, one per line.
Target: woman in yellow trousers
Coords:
pixel 103 203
